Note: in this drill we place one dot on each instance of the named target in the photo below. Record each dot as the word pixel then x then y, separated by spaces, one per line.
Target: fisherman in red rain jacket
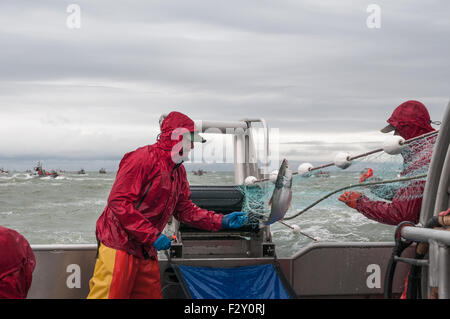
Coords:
pixel 150 187
pixel 409 119
pixel 17 263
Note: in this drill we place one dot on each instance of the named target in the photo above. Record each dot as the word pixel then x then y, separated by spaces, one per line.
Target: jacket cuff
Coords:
pixel 218 222
pixel 360 202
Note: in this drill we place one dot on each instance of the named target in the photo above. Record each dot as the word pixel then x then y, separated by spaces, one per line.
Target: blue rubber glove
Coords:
pixel 162 243
pixel 234 220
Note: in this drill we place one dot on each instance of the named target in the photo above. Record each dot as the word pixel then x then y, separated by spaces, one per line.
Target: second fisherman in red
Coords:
pixel 410 119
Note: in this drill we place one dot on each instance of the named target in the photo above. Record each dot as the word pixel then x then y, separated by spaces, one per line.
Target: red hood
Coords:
pixel 172 128
pixel 411 119
pixel 17 263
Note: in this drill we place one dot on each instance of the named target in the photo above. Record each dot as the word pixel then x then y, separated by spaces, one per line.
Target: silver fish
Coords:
pixel 282 194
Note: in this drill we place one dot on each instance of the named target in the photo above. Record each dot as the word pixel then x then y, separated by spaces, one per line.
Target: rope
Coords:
pixel 299 231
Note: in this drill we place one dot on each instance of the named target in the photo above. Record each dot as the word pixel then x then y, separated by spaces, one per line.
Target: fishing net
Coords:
pixel 256 202
pixel 379 176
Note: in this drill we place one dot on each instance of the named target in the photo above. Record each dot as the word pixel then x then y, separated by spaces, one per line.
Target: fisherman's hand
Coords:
pixel 350 198
pixel 441 220
pixel 162 243
pixel 234 220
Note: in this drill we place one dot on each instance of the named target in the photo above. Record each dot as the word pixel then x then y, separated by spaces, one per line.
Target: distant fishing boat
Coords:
pixel 81 172
pixel 102 171
pixel 40 172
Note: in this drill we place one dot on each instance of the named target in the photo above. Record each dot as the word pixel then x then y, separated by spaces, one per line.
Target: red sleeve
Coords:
pixel 133 173
pixel 405 206
pixel 189 213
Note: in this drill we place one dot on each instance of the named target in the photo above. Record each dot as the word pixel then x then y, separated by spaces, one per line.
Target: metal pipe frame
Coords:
pixel 444 273
pixel 244 151
pixel 430 194
pixel 425 235
pixel 224 127
pixel 251 164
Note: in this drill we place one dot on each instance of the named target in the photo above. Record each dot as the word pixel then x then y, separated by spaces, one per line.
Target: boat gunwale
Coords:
pixel 300 252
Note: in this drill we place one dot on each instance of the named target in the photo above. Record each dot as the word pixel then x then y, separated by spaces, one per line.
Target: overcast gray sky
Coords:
pixel 312 69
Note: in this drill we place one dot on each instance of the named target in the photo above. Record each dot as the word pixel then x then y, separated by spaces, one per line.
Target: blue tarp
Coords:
pixel 250 282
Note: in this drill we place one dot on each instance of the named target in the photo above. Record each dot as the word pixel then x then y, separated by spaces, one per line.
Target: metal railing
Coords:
pixel 439 256
pixel 245 158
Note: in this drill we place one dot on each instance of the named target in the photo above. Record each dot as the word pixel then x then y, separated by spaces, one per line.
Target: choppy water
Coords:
pixel 64 210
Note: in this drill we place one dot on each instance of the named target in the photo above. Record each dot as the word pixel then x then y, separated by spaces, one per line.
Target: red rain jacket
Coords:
pixel 410 119
pixel 149 189
pixel 17 263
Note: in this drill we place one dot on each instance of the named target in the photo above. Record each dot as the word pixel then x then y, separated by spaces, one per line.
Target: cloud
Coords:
pixel 311 69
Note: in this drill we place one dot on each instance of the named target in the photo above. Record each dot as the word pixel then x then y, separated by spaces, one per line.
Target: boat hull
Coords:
pixel 321 270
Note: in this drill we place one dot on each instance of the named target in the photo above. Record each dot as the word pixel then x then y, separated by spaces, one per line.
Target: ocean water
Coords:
pixel 64 210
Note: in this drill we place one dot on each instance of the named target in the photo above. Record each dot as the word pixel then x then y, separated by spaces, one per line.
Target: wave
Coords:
pixel 17 176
